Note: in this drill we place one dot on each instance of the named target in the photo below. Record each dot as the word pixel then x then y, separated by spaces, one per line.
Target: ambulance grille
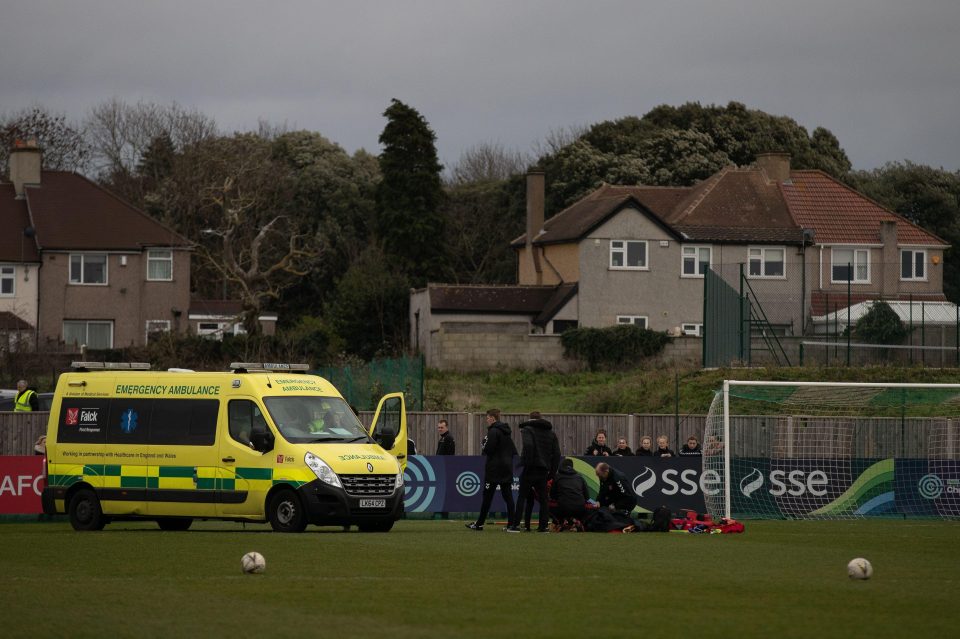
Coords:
pixel 367 485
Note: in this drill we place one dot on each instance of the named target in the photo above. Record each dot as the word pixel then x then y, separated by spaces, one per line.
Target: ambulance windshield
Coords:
pixel 304 420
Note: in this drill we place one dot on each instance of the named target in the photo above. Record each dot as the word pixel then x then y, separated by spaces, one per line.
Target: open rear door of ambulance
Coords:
pixel 389 427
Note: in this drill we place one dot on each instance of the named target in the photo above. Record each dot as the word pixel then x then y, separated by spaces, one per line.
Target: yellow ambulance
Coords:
pixel 264 442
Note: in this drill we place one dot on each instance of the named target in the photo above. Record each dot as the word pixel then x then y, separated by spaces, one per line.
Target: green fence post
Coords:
pixel 740 314
pixel 911 328
pixel 849 300
pixel 923 332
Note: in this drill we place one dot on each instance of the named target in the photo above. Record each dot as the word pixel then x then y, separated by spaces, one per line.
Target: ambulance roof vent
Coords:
pixel 248 367
pixel 110 366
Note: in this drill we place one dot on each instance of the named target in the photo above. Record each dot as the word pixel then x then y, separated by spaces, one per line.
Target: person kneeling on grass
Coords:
pixel 613 494
pixel 569 490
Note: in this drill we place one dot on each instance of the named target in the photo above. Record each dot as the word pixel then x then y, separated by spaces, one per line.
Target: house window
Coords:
pixel 628 254
pixel 691 329
pixel 561 326
pixel 766 262
pixel 913 264
pixel 843 260
pixel 7 280
pixel 88 268
pixel 636 320
pixel 160 265
pixel 696 260
pixel 157 326
pixel 92 334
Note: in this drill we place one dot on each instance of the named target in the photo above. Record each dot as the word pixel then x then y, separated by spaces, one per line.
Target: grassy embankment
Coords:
pixel 639 391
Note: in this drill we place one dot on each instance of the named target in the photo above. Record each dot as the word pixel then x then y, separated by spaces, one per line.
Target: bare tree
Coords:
pixel 62 142
pixel 556 139
pixel 488 162
pixel 262 251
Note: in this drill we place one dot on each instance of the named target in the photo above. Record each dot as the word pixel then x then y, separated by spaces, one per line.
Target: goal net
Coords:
pixel 822 450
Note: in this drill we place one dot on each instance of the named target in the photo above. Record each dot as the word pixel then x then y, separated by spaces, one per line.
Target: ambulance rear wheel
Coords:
pixel 85 511
pixel 175 523
pixel 285 512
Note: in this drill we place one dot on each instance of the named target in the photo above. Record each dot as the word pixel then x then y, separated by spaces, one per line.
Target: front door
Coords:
pixel 389 427
pixel 245 475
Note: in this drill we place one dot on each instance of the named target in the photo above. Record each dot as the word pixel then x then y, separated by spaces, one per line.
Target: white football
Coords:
pixel 253 562
pixel 859 568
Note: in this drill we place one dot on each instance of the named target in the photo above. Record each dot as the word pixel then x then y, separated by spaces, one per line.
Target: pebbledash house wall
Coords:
pixel 129 300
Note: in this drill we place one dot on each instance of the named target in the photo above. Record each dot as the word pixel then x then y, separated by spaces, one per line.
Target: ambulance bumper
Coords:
pixel 328 505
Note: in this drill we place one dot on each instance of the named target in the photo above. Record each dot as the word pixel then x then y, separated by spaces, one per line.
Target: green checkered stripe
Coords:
pixel 153 481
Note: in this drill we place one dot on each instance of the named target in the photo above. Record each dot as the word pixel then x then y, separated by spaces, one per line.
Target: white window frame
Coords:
pixel 636 320
pixel 87 323
pixel 151 327
pixel 153 258
pixel 692 252
pixel 913 265
pixel 755 252
pixel 854 265
pixel 690 328
pixel 83 259
pixel 8 273
pixel 623 247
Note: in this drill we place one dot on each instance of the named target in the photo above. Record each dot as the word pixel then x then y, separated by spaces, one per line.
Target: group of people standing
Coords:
pixel 540 458
pixel 598 447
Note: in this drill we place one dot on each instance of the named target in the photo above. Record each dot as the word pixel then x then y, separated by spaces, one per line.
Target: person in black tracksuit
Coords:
pixel 598 447
pixel 614 493
pixel 540 459
pixel 499 449
pixel 570 492
pixel 445 445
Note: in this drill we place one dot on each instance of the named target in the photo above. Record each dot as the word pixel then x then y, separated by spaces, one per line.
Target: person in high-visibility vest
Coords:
pixel 26 400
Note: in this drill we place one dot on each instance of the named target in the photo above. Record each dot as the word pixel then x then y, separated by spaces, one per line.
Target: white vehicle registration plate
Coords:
pixel 373 503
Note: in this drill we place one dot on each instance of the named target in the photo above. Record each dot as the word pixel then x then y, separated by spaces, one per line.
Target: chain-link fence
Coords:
pixel 363 385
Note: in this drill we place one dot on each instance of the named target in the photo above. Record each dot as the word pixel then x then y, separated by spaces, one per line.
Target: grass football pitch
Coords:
pixel 438 579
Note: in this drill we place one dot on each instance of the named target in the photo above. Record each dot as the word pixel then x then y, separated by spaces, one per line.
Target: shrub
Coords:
pixel 880 325
pixel 612 347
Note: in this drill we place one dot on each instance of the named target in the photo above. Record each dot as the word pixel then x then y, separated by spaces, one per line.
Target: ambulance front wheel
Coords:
pixel 85 511
pixel 286 513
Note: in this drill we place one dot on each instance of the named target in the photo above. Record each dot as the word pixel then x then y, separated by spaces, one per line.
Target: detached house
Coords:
pixel 792 241
pixel 86 268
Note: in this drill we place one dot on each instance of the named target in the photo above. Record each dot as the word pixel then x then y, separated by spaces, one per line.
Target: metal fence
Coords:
pixel 363 385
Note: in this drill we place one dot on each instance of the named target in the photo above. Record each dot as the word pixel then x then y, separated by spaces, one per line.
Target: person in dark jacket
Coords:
pixel 646 447
pixel 499 449
pixel 691 448
pixel 446 445
pixel 570 492
pixel 614 493
pixel 540 459
pixel 598 447
pixel 622 450
pixel 663 448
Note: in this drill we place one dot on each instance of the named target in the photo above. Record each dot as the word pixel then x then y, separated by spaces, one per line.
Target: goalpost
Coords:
pixel 825 450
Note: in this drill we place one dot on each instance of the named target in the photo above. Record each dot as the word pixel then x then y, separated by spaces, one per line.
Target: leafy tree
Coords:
pixel 409 196
pixel 680 145
pixel 62 143
pixel 333 194
pixel 880 325
pixel 369 306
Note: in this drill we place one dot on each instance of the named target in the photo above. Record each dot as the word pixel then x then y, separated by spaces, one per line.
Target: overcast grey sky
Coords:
pixel 883 75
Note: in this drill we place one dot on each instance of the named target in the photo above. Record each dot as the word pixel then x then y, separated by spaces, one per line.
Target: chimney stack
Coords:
pixel 775 165
pixel 535 203
pixel 24 164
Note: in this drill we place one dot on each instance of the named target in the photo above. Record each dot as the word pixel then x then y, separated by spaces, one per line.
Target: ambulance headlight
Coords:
pixel 323 472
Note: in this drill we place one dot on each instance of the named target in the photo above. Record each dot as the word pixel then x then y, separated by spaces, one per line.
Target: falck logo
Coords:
pixel 644 481
pixel 369 467
pixel 750 483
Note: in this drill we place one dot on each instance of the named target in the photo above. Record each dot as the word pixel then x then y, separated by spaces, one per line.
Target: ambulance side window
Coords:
pixel 247 426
